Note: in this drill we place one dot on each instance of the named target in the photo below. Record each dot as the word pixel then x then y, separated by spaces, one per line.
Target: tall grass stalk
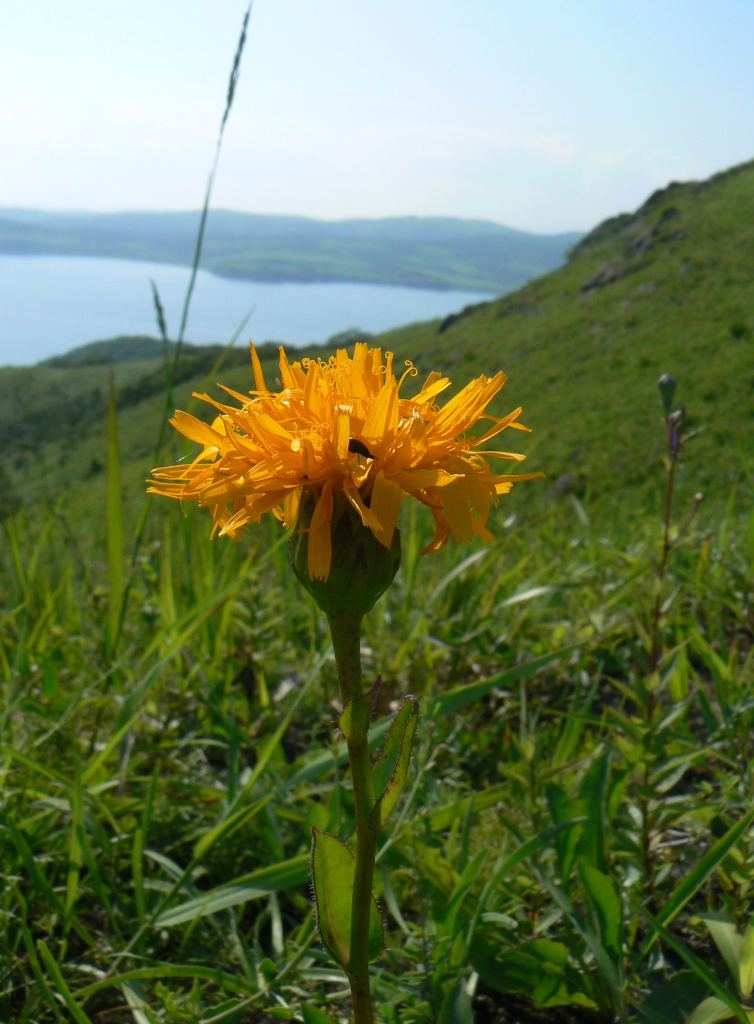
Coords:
pixel 171 364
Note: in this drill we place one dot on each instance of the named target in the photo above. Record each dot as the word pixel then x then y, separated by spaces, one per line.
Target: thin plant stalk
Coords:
pixel 647 823
pixel 171 365
pixel 346 636
pixel 674 447
pixel 674 421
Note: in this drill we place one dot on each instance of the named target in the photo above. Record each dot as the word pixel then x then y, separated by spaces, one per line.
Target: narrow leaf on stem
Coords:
pixel 391 770
pixel 333 868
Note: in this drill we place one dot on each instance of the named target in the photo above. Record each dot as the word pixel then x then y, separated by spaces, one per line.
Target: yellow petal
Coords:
pixel 433 385
pixel 257 368
pixel 319 552
pixel 353 495
pixel 455 509
pixel 290 508
pixel 515 456
pixel 196 430
pixel 382 418
pixel 235 522
pixel 500 425
pixel 292 376
pixel 241 399
pixel 441 537
pixel 413 480
pixel 516 478
pixel 384 508
pixel 483 532
pixel 342 435
pixel 465 408
pixel 268 429
pixel 311 383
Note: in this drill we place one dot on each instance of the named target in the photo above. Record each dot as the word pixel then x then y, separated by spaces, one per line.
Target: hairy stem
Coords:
pixel 346 635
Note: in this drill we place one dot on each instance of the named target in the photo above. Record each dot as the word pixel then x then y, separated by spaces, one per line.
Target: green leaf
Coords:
pixel 697 966
pixel 610 972
pixel 460 697
pixel 672 1000
pixel 314 1016
pixel 344 721
pixel 226 828
pixel 538 969
pixel 719 670
pixel 574 723
pixel 435 869
pixel 41 885
pixel 456 1008
pixel 391 770
pixel 608 911
pixel 36 968
pixel 695 879
pixel 727 940
pixel 165 971
pixel 710 1011
pixel 746 963
pixel 333 869
pixel 137 1005
pixel 587 840
pixel 286 874
pixel 591 842
pixel 453 922
pixel 444 817
pixel 75 855
pixel 53 969
pixel 562 809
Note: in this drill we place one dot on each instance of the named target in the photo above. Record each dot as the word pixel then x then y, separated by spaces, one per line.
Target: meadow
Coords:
pixel 571 816
pixel 576 839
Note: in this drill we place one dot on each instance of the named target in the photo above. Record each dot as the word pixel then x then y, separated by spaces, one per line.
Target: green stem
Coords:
pixel 346 637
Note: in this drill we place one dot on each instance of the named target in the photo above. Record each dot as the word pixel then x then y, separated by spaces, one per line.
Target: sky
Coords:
pixel 546 116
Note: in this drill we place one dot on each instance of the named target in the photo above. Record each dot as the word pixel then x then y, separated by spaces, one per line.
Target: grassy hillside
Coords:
pixel 420 252
pixel 666 289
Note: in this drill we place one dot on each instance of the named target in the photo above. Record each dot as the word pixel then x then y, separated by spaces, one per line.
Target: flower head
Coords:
pixel 343 431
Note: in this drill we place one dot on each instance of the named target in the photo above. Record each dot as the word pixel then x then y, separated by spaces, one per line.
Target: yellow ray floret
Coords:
pixel 343 427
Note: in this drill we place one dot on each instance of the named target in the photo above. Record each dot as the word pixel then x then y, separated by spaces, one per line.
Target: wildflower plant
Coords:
pixel 332 455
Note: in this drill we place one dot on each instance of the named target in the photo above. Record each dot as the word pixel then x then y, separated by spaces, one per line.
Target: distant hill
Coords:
pixel 124 349
pixel 420 252
pixel 668 288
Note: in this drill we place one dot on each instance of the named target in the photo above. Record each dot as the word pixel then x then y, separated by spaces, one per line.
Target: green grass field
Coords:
pixel 576 841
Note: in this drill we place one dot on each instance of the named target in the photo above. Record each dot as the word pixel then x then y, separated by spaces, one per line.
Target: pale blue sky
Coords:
pixel 547 115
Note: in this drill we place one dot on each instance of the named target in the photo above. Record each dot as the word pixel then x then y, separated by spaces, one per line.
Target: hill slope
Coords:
pixel 422 252
pixel 669 288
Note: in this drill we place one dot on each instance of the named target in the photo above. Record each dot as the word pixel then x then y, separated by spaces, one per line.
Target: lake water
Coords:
pixel 50 304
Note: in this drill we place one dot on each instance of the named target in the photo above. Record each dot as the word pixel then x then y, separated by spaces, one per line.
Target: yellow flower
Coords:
pixel 343 427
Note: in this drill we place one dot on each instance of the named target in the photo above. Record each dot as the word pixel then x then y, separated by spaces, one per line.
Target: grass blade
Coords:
pixel 461 696
pixel 286 874
pixel 114 522
pixel 696 878
pixel 697 966
pixel 63 991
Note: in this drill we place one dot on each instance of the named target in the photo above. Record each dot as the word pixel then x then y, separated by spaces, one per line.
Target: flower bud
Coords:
pixel 666 384
pixel 361 570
